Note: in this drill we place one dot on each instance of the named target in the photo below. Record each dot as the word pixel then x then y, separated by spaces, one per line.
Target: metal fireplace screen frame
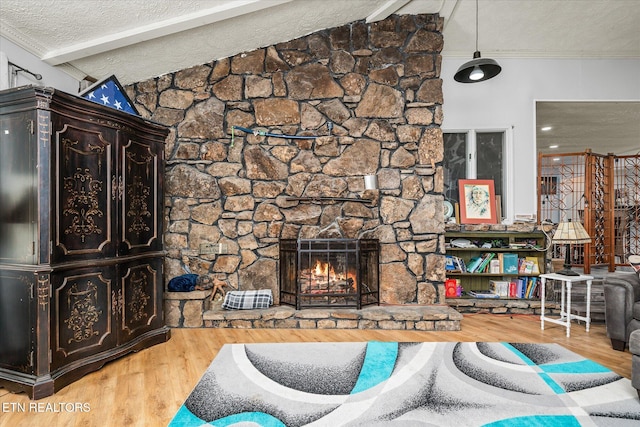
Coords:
pixel 351 267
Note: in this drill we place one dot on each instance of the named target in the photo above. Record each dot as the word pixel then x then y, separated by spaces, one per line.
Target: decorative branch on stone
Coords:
pixel 328 199
pixel 257 132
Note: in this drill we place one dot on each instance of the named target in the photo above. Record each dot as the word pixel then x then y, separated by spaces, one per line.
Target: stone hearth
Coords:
pixel 194 310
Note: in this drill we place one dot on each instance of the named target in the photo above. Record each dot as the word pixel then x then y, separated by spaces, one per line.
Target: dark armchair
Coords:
pixel 622 307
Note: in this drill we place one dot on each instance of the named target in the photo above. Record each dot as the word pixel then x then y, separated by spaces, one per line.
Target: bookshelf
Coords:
pixel 528 249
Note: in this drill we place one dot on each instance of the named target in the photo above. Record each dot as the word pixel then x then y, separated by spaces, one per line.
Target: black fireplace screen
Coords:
pixel 329 272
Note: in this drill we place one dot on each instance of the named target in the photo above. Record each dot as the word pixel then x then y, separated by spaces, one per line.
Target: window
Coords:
pixel 476 154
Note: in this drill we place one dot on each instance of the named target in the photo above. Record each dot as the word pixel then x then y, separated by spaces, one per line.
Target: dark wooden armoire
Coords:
pixel 81 246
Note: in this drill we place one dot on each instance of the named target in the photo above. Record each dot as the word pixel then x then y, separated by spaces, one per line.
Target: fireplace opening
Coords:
pixel 316 273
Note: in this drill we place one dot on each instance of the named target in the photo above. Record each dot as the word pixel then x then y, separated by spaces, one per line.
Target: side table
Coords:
pixel 565 309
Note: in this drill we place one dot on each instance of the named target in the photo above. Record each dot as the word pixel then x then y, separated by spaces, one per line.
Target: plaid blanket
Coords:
pixel 246 300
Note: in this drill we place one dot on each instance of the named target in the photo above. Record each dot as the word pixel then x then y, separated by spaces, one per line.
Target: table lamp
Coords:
pixel 568 233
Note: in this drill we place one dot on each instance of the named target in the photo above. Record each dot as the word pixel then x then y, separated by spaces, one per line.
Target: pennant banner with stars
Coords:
pixel 109 92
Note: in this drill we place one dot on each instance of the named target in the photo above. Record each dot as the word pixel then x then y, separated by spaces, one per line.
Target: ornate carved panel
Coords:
pixel 139 285
pixel 83 191
pixel 83 314
pixel 140 216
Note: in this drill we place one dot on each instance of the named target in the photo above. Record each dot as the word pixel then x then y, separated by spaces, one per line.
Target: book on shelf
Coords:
pixel 494 266
pixel 499 287
pixel 513 289
pixel 452 288
pixel 518 245
pixel 483 294
pixel 450 263
pixel 521 287
pixel 486 258
pixel 474 263
pixel 532 287
pixel 454 264
pixel 526 266
pixel 509 263
pixel 534 261
pixel 500 259
pixel 461 264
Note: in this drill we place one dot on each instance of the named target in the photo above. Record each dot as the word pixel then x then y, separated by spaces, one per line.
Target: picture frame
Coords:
pixel 477 201
pixel 548 185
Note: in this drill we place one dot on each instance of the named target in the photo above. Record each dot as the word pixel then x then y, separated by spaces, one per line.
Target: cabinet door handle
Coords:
pixel 117 187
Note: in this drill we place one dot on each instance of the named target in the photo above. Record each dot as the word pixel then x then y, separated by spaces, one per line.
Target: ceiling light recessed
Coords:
pixel 553 146
pixel 556 159
pixel 546 128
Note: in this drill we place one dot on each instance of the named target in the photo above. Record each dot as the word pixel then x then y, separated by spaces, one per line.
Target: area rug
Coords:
pixel 407 384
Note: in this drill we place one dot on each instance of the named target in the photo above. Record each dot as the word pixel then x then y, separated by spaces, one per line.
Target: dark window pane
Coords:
pixel 455 147
pixel 489 165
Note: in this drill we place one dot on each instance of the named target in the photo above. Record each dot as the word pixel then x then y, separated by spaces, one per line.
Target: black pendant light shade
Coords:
pixel 477 70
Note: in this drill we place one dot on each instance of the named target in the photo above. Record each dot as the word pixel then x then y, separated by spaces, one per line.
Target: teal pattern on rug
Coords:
pixel 379 362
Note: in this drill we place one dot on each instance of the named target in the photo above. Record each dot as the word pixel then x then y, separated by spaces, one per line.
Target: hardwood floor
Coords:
pixel 147 388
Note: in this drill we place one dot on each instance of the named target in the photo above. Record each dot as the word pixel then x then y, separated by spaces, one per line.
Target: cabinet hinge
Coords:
pixel 31 127
pixel 50 357
pixel 31 291
pixel 31 358
pixel 33 248
pixel 50 247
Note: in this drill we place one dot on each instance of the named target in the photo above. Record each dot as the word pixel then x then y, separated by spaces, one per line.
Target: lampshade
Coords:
pixel 567 233
pixel 477 70
pixel 571 232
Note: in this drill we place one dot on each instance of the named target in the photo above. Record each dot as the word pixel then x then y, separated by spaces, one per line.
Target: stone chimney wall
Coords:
pixel 370 94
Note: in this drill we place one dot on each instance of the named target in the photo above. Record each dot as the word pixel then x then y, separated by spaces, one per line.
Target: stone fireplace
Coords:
pixel 366 97
pixel 321 273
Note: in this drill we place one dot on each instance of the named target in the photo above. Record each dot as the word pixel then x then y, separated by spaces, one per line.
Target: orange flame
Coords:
pixel 324 269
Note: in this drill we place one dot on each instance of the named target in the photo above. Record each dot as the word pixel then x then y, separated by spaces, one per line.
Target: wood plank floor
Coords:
pixel 147 388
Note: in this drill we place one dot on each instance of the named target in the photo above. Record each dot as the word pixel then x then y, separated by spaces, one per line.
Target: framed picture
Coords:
pixel 477 201
pixel 549 185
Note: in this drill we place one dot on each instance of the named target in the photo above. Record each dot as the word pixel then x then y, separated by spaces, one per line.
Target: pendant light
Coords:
pixel 478 69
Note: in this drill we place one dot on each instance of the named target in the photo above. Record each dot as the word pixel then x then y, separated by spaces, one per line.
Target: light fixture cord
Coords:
pixel 476 25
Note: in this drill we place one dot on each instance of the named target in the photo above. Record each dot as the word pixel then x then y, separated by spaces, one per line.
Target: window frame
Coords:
pixel 507 162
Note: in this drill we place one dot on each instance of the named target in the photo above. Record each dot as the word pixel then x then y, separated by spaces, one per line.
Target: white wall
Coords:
pixel 508 100
pixel 51 76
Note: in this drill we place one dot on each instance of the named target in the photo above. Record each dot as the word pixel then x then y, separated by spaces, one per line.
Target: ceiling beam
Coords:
pixel 387 9
pixel 158 29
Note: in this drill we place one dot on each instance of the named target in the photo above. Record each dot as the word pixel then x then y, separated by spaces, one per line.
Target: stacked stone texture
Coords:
pixel 371 94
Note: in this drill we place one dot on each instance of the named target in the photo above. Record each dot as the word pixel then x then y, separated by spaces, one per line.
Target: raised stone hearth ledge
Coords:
pixel 195 310
pixel 502 306
pixel 406 317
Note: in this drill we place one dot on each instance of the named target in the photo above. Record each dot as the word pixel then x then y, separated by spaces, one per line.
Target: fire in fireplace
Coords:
pixel 317 273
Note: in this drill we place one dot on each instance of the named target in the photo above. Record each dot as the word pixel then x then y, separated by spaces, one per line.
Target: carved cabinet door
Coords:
pixel 18 188
pixel 141 198
pixel 17 320
pixel 140 298
pixel 82 323
pixel 84 190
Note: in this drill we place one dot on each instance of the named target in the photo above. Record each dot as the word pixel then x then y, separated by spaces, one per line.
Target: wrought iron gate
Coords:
pixel 601 191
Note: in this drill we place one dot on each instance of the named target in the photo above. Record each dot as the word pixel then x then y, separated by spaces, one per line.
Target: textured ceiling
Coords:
pixel 603 127
pixel 141 39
